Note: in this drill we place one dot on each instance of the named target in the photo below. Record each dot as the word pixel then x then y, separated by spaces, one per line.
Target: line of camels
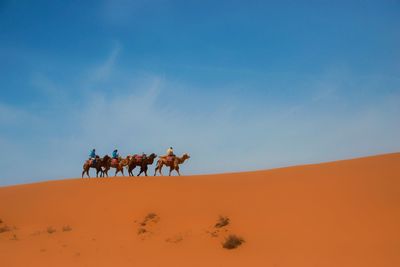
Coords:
pixel 103 165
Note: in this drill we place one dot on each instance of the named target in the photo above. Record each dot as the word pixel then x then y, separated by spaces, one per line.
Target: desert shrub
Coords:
pixel 66 228
pixel 232 241
pixel 150 216
pixel 141 231
pixel 5 228
pixel 147 221
pixel 51 230
pixel 222 221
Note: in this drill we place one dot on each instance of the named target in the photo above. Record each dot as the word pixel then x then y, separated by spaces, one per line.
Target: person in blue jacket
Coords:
pixel 115 154
pixel 92 156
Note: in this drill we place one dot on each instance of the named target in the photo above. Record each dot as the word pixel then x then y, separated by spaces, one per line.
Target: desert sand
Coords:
pixel 344 213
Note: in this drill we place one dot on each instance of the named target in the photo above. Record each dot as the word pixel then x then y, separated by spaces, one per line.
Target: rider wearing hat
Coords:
pixel 170 151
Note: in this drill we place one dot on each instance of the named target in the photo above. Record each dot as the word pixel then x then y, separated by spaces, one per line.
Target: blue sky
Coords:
pixel 240 85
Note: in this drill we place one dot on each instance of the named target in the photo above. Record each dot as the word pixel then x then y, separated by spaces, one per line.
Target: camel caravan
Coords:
pixel 104 164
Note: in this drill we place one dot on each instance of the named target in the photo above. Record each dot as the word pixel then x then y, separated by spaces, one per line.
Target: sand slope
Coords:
pixel 344 213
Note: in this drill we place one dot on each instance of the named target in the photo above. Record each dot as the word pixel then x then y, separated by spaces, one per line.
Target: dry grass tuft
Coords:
pixel 151 216
pixel 4 229
pixel 232 241
pixel 66 228
pixel 222 221
pixel 51 230
pixel 141 231
pixel 146 224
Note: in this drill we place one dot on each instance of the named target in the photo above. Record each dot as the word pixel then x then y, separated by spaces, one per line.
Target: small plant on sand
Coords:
pixel 150 216
pixel 51 230
pixel 141 231
pixel 232 241
pixel 145 226
pixel 222 221
pixel 5 228
pixel 66 228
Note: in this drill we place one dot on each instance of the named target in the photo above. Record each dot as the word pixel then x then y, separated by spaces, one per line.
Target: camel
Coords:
pixel 143 164
pixel 119 167
pixel 88 164
pixel 173 163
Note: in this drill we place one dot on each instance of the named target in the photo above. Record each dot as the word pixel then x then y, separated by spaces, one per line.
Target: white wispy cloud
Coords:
pixel 104 70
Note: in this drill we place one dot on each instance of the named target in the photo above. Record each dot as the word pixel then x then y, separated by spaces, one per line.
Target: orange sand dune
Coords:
pixel 344 213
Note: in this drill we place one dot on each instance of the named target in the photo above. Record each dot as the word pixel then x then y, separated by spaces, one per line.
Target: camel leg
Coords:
pixel 141 170
pixel 122 171
pixel 157 168
pixel 161 169
pixel 155 171
pixel 177 170
pixel 134 167
pixel 87 172
pixel 170 170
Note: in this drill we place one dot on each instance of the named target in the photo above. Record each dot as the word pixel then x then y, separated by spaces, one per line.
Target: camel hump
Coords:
pixel 138 157
pixel 170 158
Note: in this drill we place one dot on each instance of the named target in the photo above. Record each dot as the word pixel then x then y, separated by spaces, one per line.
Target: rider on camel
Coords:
pixel 92 156
pixel 170 151
pixel 115 154
pixel 170 154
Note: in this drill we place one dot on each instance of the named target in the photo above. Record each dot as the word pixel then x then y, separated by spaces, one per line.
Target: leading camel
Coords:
pixel 143 163
pixel 172 162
